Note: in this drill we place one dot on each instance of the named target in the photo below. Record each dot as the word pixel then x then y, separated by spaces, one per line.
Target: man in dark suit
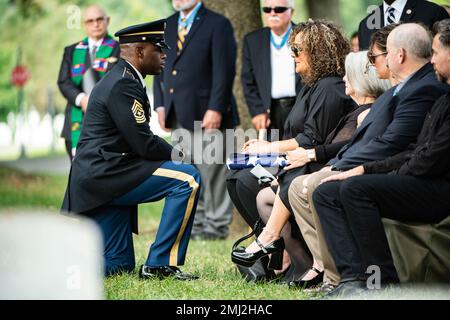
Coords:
pixel 195 93
pixel 395 11
pixel 268 70
pixel 121 163
pixel 351 204
pixel 394 121
pixel 83 64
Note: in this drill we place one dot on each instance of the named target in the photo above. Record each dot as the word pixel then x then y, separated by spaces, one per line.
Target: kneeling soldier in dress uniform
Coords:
pixel 120 163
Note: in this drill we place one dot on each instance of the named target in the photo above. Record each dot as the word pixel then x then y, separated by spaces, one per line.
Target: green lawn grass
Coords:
pixel 208 259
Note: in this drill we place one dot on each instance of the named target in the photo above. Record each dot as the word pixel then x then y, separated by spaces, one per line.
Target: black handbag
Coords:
pixel 259 270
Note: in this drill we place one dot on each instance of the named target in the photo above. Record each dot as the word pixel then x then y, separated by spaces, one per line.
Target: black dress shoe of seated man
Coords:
pixel 348 289
pixel 147 272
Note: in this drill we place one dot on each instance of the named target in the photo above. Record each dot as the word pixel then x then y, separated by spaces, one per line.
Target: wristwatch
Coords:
pixel 311 153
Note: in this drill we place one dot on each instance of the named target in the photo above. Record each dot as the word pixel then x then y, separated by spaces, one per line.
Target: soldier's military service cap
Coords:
pixel 152 32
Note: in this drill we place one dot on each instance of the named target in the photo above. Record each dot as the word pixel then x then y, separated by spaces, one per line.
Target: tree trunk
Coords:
pixel 324 9
pixel 245 17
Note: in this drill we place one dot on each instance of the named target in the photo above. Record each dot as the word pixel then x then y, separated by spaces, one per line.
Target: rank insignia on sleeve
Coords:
pixel 138 112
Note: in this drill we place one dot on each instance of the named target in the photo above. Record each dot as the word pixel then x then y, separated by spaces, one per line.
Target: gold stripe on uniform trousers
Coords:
pixel 173 260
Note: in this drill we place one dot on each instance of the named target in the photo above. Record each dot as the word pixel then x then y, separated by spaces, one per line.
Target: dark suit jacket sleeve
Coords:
pixel 432 159
pixel 116 51
pixel 223 66
pixel 65 84
pixel 252 96
pixel 326 152
pixel 322 117
pixel 138 135
pixel 158 93
pixel 407 122
pixel 386 165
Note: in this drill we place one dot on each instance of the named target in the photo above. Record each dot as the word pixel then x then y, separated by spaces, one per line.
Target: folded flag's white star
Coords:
pixel 280 161
pixel 253 160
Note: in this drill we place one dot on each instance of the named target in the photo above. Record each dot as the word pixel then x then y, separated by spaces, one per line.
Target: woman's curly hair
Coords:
pixel 326 47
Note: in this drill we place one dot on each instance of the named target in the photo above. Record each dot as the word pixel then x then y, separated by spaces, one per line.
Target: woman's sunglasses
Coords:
pixel 372 57
pixel 296 51
pixel 276 9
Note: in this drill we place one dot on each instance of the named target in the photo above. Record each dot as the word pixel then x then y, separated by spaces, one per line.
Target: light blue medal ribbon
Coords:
pixel 283 41
pixel 187 22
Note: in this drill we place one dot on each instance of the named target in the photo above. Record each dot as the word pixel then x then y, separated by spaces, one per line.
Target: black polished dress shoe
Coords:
pixel 147 272
pixel 347 289
pixel 303 284
pixel 247 259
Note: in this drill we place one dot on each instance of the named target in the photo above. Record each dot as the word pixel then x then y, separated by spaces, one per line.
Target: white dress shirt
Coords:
pixel 283 70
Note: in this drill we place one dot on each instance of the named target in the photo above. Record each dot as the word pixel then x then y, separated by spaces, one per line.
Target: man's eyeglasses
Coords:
pixel 372 57
pixel 296 50
pixel 276 9
pixel 92 21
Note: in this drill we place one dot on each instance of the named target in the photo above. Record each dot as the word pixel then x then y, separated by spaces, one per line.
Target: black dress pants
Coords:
pixel 350 212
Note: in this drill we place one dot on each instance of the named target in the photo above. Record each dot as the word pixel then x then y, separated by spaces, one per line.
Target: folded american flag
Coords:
pixel 238 161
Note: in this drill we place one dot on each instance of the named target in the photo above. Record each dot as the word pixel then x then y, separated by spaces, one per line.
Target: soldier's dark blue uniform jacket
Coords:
pixel 117 150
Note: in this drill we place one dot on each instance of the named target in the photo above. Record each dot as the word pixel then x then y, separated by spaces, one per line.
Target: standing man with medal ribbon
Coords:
pixel 268 69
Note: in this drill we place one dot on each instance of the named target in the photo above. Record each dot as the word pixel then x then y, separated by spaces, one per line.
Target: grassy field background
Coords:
pixel 208 259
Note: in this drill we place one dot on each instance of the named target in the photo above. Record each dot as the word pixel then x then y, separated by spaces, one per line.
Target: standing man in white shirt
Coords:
pixel 268 69
pixel 83 65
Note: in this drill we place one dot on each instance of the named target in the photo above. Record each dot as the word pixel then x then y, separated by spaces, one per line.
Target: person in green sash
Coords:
pixel 83 65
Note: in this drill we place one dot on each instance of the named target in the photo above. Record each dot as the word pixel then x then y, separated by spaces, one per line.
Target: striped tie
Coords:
pixel 182 35
pixel 391 15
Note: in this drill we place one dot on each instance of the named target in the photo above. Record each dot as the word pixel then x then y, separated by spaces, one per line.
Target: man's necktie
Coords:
pixel 182 35
pixel 391 15
pixel 90 77
pixel 92 54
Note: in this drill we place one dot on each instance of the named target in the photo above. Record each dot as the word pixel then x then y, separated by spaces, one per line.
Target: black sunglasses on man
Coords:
pixel 276 9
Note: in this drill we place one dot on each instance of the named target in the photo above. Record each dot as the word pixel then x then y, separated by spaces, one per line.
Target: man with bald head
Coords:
pixel 83 65
pixel 120 163
pixel 393 122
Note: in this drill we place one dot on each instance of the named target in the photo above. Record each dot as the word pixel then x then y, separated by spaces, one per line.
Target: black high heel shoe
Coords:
pixel 303 284
pixel 247 259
